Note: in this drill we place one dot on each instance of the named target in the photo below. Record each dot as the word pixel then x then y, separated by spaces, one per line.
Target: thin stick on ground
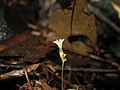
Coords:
pixel 30 86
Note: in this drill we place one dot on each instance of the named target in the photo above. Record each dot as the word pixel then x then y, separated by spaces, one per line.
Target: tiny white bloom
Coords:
pixel 59 42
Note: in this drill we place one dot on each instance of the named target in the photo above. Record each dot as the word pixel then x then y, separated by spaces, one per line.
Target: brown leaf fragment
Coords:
pixel 15 40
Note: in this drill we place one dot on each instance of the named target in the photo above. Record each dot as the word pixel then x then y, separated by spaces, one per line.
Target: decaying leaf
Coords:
pixel 83 24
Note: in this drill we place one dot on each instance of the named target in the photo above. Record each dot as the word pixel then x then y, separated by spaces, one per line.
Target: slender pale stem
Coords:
pixel 62 86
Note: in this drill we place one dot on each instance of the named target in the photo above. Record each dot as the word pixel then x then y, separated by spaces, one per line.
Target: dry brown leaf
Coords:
pixel 83 24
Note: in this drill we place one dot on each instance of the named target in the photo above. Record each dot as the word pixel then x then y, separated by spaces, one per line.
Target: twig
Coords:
pixel 12 66
pixel 72 16
pixel 97 58
pixel 90 70
pixel 102 17
pixel 112 62
pixel 26 74
pixel 18 73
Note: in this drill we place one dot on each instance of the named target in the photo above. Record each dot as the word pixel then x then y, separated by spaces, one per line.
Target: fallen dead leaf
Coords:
pixel 83 24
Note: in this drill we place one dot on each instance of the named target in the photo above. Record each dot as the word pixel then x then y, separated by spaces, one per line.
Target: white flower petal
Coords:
pixel 59 41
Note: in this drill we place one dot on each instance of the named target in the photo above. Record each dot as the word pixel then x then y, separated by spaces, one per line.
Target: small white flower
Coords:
pixel 59 42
